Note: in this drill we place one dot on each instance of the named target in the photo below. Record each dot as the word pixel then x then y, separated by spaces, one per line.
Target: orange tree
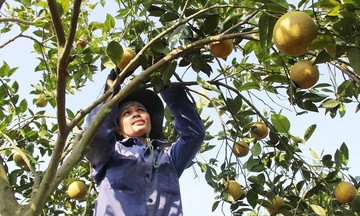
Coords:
pixel 171 38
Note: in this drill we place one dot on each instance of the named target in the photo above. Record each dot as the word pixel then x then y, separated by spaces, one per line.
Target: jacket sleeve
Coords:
pixel 102 146
pixel 188 124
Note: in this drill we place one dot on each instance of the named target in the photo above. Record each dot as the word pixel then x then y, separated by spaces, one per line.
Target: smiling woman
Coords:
pixel 131 166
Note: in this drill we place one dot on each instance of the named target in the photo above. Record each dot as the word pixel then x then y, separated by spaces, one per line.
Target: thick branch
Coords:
pixel 47 186
pixel 55 16
pixel 62 72
pixel 8 203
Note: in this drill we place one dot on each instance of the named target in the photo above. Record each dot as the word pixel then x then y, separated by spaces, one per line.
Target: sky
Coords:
pixel 197 196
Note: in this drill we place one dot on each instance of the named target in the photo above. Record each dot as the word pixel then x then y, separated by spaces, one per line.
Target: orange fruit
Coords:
pixel 233 188
pixel 259 130
pixel 276 205
pixel 345 192
pixel 77 190
pixel 304 74
pixel 40 100
pixel 293 33
pixel 221 49
pixel 18 159
pixel 81 42
pixel 128 55
pixel 240 149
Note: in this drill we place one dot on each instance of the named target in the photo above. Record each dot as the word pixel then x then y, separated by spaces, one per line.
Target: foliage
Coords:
pixel 171 39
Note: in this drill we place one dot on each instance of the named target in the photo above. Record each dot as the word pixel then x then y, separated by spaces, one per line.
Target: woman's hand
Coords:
pixel 114 73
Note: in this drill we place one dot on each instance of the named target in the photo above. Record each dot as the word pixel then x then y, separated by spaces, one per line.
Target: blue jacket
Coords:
pixel 139 180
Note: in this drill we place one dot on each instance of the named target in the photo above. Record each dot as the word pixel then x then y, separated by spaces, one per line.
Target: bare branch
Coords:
pixel 351 74
pixel 17 20
pixel 55 16
pixel 47 185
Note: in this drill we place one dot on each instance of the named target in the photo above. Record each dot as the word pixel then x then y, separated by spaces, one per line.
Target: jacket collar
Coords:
pixel 129 142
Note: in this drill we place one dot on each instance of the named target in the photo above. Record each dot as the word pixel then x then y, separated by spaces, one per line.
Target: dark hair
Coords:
pixel 154 107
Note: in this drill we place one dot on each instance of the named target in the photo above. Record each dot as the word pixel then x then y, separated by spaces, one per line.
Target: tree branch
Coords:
pixel 351 74
pixel 8 204
pixel 55 16
pixel 17 20
pixel 138 82
pixel 47 187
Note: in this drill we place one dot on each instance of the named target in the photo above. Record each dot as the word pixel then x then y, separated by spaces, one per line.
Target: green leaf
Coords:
pixel 234 104
pixel 318 210
pixel 342 109
pixel 206 147
pixel 307 105
pixel 115 52
pixel 355 3
pixel 156 11
pixel 6 71
pixel 64 6
pixel 314 154
pixel 347 89
pixel 252 198
pixel 309 131
pixel 249 86
pixel 324 4
pixel 322 57
pixel 329 103
pixel 280 122
pixel 326 42
pixel 215 205
pixel 276 78
pixel 306 174
pixel 206 85
pixel 266 25
pixel 210 24
pixel 109 22
pixel 168 17
pixel 353 54
pixel 342 155
pixel 327 160
pixel 179 33
pixel 256 149
pixel 344 149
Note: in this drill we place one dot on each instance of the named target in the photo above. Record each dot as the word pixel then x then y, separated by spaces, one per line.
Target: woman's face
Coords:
pixel 134 120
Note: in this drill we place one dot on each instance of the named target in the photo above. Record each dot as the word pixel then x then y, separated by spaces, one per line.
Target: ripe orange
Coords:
pixel 259 130
pixel 221 49
pixel 18 159
pixel 345 192
pixel 81 42
pixel 240 149
pixel 276 205
pixel 40 100
pixel 233 188
pixel 128 55
pixel 304 74
pixel 293 33
pixel 77 190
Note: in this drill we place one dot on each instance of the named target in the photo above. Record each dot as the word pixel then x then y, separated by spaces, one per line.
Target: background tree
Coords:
pixel 182 43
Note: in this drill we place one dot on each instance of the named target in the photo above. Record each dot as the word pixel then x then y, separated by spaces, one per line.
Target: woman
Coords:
pixel 138 174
